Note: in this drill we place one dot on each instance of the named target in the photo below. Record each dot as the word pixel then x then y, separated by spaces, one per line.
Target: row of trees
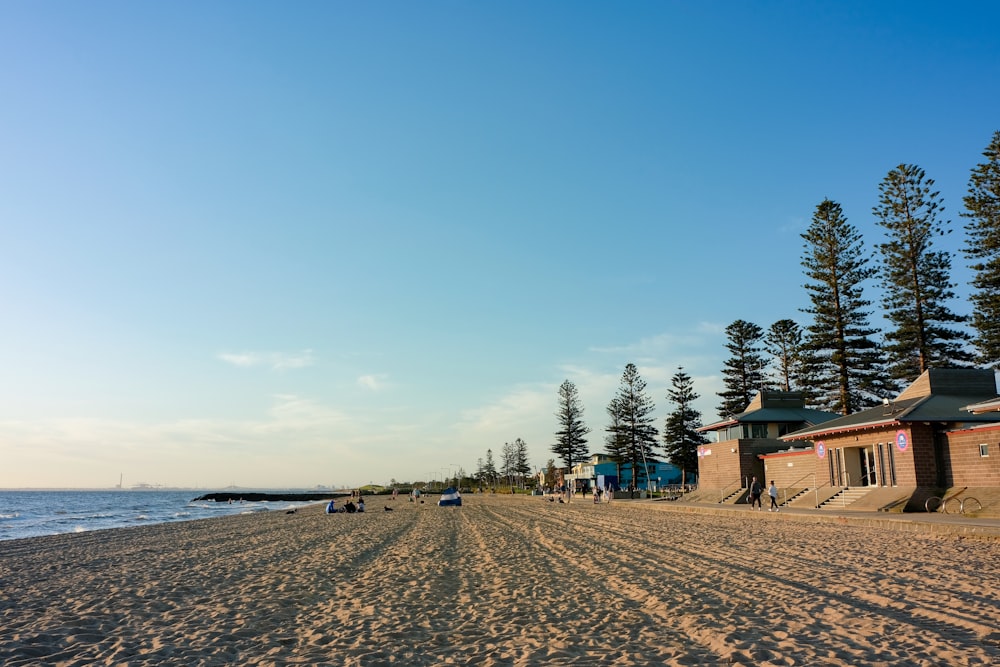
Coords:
pixel 514 467
pixel 840 359
pixel 631 435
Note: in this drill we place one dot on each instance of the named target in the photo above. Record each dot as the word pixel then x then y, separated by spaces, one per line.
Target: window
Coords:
pixel 758 431
pixel 984 450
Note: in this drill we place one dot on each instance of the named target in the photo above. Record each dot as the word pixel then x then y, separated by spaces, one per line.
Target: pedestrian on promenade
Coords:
pixel 756 490
pixel 773 492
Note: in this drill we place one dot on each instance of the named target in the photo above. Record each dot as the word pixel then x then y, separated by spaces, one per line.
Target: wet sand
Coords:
pixel 500 581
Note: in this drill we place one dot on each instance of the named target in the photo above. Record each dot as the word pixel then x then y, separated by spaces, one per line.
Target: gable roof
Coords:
pixel 952 382
pixel 774 407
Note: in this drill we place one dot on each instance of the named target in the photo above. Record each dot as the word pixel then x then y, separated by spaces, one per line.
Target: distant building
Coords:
pixel 601 471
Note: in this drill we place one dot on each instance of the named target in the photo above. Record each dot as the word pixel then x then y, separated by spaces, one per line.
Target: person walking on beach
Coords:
pixel 756 490
pixel 773 492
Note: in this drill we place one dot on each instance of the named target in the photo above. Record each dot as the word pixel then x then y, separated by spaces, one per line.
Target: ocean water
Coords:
pixel 37 513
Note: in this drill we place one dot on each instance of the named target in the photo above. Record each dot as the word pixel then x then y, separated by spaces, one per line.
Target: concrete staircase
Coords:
pixel 844 498
pixel 733 497
pixel 795 496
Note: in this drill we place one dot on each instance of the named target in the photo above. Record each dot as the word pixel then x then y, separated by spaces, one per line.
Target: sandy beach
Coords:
pixel 500 581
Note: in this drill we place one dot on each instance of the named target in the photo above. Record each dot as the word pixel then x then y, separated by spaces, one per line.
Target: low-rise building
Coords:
pixel 602 471
pixel 935 435
pixel 733 455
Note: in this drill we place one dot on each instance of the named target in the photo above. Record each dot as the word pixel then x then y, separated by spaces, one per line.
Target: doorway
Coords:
pixel 869 468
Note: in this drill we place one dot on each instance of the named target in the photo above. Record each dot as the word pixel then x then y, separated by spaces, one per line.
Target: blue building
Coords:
pixel 601 471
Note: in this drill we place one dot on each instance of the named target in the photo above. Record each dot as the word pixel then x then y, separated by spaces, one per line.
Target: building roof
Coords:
pixel 953 382
pixel 774 407
pixel 992 405
pixel 938 395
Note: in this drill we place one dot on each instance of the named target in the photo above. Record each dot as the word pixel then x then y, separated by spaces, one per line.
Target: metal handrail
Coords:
pixel 725 489
pixel 816 489
pixel 842 498
pixel 792 486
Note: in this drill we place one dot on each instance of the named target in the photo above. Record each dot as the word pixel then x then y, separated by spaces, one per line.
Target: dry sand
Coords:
pixel 500 581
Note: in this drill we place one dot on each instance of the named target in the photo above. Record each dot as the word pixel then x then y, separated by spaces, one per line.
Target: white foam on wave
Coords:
pixel 254 510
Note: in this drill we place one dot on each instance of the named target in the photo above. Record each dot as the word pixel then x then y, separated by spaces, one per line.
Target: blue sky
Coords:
pixel 273 245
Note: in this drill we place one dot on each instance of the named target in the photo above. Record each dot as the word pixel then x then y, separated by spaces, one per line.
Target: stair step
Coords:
pixel 845 497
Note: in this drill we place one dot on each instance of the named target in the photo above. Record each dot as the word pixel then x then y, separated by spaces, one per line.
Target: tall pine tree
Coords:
pixel 983 248
pixel 490 473
pixel 916 280
pixel 614 441
pixel 680 436
pixel 843 362
pixel 571 438
pixel 783 341
pixel 743 373
pixel 522 468
pixel 635 425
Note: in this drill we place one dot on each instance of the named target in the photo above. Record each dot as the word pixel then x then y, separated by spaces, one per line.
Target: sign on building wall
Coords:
pixel 821 449
pixel 901 441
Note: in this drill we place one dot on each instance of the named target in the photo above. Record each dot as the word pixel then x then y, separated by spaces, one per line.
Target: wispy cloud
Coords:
pixel 373 382
pixel 508 414
pixel 654 346
pixel 277 361
pixel 245 359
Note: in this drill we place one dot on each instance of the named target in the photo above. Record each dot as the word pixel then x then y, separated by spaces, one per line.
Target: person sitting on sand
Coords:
pixel 361 504
pixel 331 507
pixel 350 507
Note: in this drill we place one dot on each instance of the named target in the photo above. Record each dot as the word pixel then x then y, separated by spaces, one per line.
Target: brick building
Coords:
pixel 736 445
pixel 937 434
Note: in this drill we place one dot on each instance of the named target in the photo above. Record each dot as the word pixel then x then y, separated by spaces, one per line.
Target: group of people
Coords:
pixel 350 507
pixel 565 494
pixel 603 494
pixel 757 490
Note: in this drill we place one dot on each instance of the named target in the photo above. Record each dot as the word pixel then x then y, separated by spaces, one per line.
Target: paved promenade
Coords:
pixel 934 522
